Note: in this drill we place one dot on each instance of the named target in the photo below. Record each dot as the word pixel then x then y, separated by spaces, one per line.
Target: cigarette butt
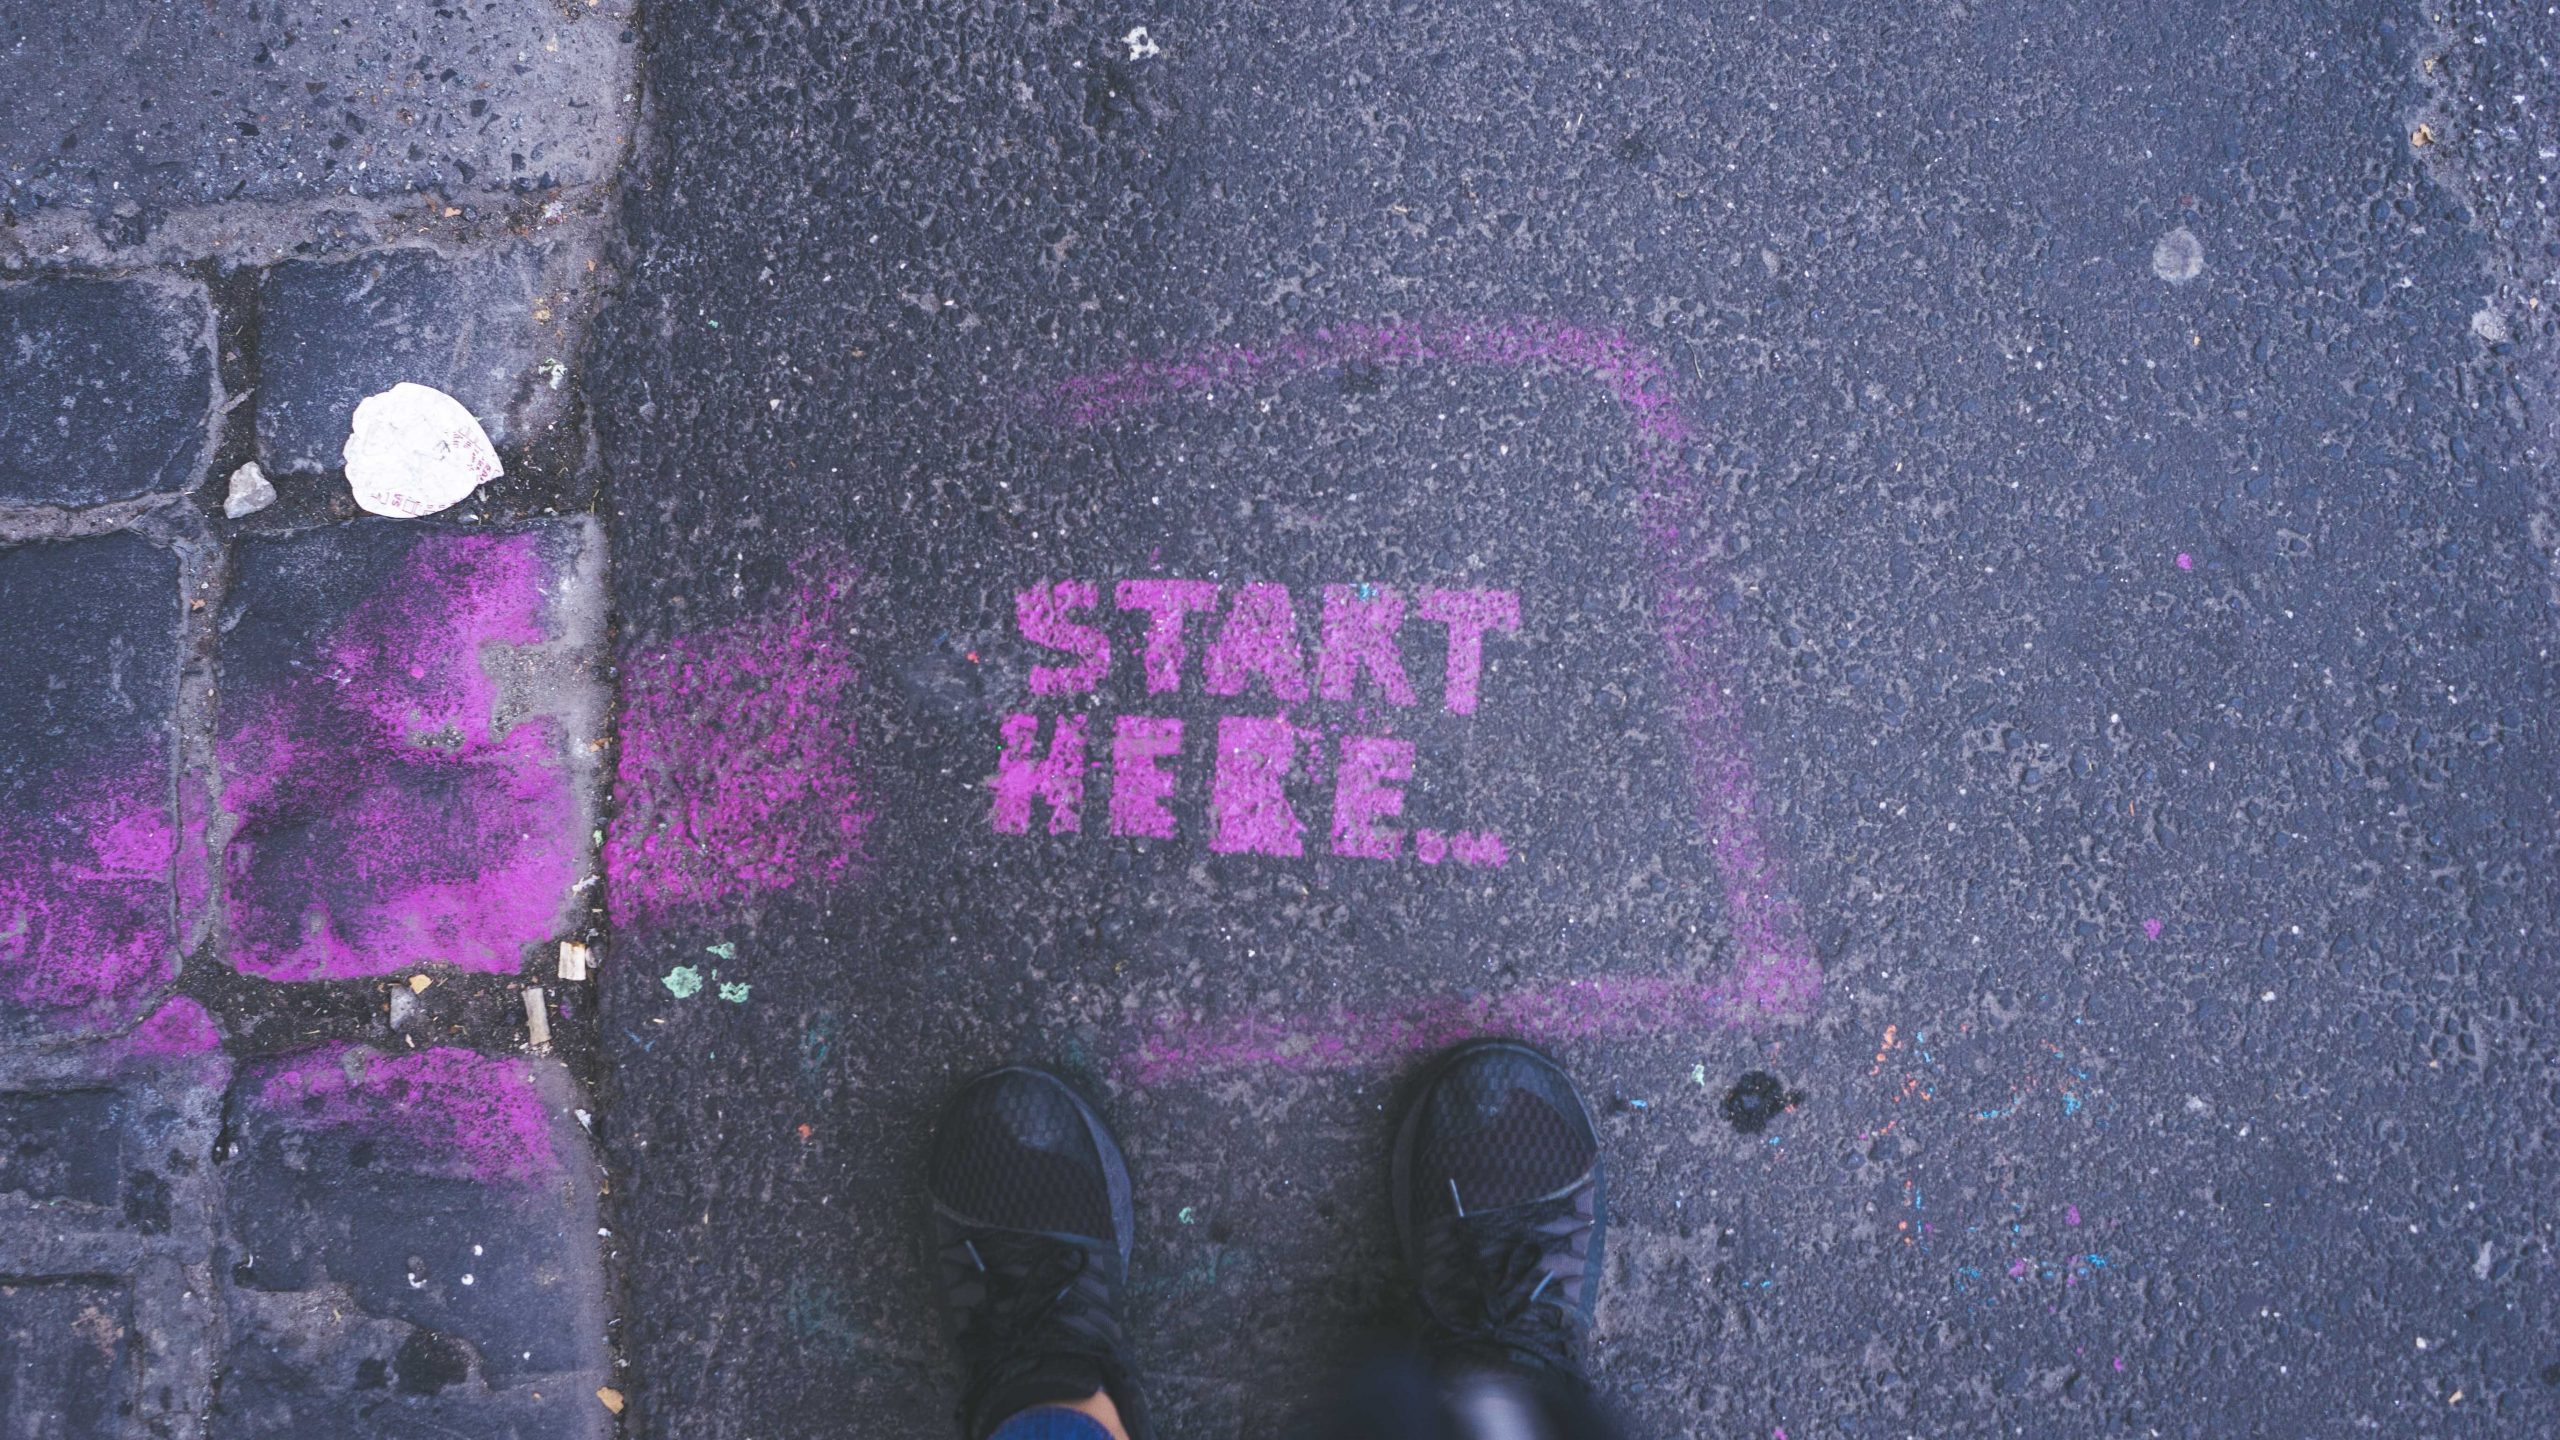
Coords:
pixel 574 959
pixel 610 1398
pixel 537 1024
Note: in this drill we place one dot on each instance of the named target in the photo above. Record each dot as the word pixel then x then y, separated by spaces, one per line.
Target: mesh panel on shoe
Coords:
pixel 1507 1128
pixel 1013 1153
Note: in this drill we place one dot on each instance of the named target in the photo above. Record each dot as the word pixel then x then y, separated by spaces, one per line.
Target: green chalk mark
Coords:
pixel 683 982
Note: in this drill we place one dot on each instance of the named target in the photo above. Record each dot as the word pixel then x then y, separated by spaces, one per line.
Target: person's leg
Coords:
pixel 1058 1422
pixel 1497 1187
pixel 1031 1211
pixel 1092 1418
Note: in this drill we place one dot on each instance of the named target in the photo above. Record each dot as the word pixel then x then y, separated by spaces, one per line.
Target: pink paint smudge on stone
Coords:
pixel 1167 603
pixel 1359 635
pixel 2151 929
pixel 2186 561
pixel 1777 976
pixel 445 1113
pixel 1041 611
pixel 1258 639
pixel 384 821
pixel 175 1030
pixel 87 906
pixel 1249 810
pixel 738 771
pixel 1139 785
pixel 1026 771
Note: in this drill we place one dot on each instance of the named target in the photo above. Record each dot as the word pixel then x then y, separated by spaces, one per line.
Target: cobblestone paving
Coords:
pixel 297 804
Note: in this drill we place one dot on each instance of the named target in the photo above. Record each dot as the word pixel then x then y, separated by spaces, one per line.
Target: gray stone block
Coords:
pixel 495 330
pixel 90 843
pixel 65 1365
pixel 416 1250
pixel 107 1223
pixel 294 100
pixel 407 745
pixel 107 388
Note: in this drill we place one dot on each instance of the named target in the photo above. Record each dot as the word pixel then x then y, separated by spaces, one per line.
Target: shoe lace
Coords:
pixel 1500 1284
pixel 1028 1300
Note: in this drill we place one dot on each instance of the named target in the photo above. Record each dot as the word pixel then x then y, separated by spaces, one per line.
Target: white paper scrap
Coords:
pixel 413 450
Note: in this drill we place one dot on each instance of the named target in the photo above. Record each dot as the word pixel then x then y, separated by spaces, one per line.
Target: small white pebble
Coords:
pixel 467 1280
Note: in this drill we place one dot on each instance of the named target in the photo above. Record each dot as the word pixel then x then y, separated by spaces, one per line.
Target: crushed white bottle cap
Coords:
pixel 413 450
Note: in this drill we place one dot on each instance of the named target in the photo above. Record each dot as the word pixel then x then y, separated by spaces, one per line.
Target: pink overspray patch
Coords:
pixel 384 821
pixel 87 926
pixel 446 1113
pixel 737 774
pixel 178 1029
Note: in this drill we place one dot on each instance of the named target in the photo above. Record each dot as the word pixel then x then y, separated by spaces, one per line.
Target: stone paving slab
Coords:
pixel 413 1249
pixel 107 1222
pixel 407 742
pixel 107 387
pixel 88 829
pixel 292 99
pixel 67 1362
pixel 495 329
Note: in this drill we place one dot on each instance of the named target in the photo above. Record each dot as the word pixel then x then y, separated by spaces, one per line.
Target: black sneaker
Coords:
pixel 1496 1182
pixel 1031 1212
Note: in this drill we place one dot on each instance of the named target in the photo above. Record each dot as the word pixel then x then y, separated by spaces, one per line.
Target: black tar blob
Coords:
pixel 1755 1100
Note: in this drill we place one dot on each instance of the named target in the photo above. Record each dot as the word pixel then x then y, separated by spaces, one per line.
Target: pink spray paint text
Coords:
pixel 1255 656
pixel 1777 976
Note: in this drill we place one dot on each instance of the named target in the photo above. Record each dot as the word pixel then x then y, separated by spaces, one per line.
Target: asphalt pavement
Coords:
pixel 1952 603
